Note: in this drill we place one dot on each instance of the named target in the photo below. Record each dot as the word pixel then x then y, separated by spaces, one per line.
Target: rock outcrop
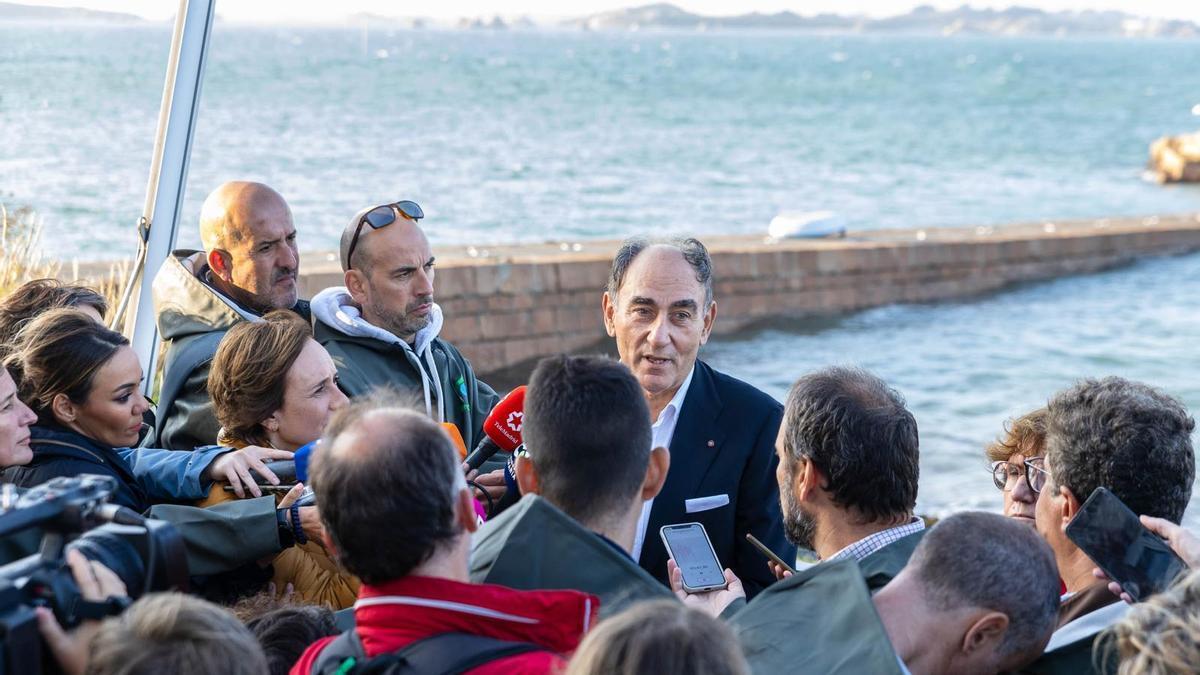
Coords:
pixel 1176 159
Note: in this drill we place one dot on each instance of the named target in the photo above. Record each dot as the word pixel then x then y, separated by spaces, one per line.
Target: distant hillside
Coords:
pixel 10 11
pixel 924 19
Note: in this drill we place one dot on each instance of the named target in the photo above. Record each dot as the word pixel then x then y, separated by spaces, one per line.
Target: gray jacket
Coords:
pixel 433 372
pixel 192 318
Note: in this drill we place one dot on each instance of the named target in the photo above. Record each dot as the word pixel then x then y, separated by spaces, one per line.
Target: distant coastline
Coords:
pixel 11 11
pixel 923 20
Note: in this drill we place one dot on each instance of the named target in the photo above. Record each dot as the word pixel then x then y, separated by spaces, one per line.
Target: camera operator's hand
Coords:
pixel 96 583
pixel 709 602
pixel 234 468
pixel 310 516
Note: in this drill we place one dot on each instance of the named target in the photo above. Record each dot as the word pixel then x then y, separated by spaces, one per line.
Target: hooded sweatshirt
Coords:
pixel 368 356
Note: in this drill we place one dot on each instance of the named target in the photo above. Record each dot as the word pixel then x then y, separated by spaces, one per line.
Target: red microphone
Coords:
pixel 501 429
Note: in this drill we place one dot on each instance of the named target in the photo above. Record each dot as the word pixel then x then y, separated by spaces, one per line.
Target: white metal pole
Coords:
pixel 168 169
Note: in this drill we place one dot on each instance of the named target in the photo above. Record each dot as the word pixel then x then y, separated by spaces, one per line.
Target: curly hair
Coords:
pixel 1126 436
pixel 1024 435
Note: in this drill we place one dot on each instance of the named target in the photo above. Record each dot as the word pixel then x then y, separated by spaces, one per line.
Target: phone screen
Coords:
pixel 1112 536
pixel 688 545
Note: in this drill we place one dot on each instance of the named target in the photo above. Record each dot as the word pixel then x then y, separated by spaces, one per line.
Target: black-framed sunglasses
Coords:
pixel 1006 475
pixel 382 216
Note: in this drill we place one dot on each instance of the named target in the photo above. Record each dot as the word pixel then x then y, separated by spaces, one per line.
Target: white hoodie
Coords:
pixel 335 308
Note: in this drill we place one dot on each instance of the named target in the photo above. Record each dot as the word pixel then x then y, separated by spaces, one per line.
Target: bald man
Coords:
pixel 248 267
pixel 382 327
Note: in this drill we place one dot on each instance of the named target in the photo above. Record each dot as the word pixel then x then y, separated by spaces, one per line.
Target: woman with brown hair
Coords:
pixel 273 385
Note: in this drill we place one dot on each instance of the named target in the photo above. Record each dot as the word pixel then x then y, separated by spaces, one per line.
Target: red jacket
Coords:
pixel 395 614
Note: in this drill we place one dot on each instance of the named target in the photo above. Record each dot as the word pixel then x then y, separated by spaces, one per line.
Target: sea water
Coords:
pixel 525 136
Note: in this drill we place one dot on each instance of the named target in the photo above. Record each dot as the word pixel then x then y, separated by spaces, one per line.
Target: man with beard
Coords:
pixel 848 467
pixel 382 327
pixel 248 267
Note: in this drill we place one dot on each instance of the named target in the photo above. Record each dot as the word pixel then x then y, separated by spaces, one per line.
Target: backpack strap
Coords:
pixel 336 654
pixel 180 364
pixel 443 654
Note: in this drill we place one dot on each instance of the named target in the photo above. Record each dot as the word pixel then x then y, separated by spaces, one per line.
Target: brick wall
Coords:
pixel 516 304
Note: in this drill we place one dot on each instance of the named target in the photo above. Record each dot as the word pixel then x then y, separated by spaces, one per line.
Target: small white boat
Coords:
pixel 807 225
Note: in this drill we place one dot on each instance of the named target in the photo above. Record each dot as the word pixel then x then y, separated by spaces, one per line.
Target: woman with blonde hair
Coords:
pixel 1160 636
pixel 662 637
pixel 273 385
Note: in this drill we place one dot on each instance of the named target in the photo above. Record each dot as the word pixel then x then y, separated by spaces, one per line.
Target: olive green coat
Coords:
pixel 533 545
pixel 820 621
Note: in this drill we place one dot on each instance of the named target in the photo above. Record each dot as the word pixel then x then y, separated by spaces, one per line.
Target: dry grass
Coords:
pixel 21 258
pixel 20 249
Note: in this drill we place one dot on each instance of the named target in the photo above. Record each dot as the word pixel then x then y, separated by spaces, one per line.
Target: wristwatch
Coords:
pixel 286 538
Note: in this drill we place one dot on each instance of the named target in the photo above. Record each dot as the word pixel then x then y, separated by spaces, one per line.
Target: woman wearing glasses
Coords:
pixel 1016 464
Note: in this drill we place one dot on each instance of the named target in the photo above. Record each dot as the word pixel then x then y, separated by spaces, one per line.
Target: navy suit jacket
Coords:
pixel 724 444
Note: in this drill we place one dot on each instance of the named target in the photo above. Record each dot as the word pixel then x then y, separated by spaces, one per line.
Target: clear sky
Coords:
pixel 325 11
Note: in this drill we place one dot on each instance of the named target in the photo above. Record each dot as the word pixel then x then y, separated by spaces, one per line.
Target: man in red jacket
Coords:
pixel 398 514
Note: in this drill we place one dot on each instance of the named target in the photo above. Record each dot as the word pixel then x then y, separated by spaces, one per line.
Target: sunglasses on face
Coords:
pixel 382 216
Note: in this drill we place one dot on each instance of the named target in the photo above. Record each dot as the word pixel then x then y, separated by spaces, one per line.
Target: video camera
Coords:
pixel 74 513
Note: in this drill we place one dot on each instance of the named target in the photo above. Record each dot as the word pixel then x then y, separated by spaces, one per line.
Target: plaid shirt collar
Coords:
pixel 872 543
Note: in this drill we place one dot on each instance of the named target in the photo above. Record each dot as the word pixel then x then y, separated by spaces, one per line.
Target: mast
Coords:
pixel 159 224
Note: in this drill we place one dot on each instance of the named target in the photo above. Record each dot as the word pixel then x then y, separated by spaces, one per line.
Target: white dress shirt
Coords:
pixel 663 431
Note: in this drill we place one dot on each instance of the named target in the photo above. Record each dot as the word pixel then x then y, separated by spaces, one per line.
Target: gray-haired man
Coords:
pixel 720 431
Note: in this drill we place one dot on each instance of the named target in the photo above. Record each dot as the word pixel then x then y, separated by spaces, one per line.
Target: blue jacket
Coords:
pixel 724 444
pixel 145 476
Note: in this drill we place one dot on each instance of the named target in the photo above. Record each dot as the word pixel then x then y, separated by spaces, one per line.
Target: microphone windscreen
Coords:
pixel 300 457
pixel 456 437
pixel 504 423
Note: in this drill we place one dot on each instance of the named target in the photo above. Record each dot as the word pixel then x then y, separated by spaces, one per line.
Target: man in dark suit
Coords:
pixel 720 431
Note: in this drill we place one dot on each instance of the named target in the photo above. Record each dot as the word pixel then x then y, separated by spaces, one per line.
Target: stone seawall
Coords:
pixel 509 305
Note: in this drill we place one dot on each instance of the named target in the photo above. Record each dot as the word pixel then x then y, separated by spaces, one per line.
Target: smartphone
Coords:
pixel 307 498
pixel 769 553
pixel 689 546
pixel 1113 537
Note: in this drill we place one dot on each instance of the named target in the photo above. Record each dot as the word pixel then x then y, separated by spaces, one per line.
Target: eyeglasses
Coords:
pixel 1006 475
pixel 382 216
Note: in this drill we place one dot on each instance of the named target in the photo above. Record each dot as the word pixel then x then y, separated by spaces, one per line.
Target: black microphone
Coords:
pixel 501 430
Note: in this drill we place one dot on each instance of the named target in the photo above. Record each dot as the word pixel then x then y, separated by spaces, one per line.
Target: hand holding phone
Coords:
pixel 1114 538
pixel 688 545
pixel 770 554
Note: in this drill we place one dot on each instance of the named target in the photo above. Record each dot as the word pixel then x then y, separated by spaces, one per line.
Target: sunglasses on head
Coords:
pixel 382 216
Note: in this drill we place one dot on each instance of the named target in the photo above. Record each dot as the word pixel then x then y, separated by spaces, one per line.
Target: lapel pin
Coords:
pixel 712 444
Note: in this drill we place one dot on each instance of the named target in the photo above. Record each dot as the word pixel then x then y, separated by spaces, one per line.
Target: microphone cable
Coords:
pixel 491 503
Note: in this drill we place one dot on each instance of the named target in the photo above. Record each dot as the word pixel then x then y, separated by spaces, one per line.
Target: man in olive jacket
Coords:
pixel 382 327
pixel 589 468
pixel 946 612
pixel 248 267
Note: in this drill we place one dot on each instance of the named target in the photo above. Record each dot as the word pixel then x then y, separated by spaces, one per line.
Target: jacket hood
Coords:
pixel 185 305
pixel 335 308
